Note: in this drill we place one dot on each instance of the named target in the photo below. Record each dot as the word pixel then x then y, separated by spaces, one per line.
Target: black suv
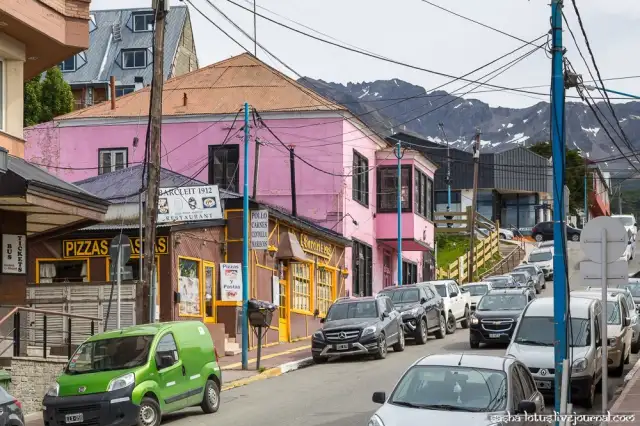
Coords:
pixel 496 315
pixel 358 326
pixel 543 231
pixel 422 310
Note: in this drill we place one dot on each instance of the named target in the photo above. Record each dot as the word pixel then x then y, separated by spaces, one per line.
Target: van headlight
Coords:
pixel 121 382
pixel 369 330
pixel 54 390
pixel 375 421
pixel 580 365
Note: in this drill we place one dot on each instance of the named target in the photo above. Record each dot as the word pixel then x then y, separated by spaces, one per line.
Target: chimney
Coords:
pixel 113 92
pixel 138 82
pixel 184 99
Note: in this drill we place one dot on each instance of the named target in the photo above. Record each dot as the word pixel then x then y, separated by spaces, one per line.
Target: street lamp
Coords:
pixel 4 160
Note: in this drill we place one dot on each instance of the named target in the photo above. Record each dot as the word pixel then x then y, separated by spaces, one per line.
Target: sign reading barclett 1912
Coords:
pixel 189 204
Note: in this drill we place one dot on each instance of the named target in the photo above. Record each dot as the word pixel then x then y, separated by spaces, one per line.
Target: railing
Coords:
pixel 27 339
pixel 507 264
pixel 483 252
pixel 460 222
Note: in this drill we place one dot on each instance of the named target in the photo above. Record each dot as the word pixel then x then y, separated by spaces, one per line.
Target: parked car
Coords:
pixel 629 223
pixel 634 288
pixel 497 314
pixel 629 251
pixel 358 326
pixel 546 244
pixel 535 272
pixel 141 373
pixel 533 344
pixel 542 258
pixel 458 388
pixel 502 281
pixel 422 310
pixel 619 332
pixel 10 410
pixel 457 304
pixel 505 234
pixel 544 231
pixel 631 309
pixel 524 279
pixel 476 291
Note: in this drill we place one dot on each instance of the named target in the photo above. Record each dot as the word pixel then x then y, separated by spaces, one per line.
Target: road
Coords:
pixel 339 393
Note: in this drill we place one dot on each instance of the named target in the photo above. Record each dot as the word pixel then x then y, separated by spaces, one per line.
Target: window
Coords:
pixel 360 179
pixel 124 90
pixel 362 265
pixel 223 166
pixel 388 189
pixel 111 160
pixel 189 286
pixel 442 199
pixel 167 348
pixel 119 353
pixel 130 270
pixel 68 65
pixel 134 58
pixel 409 273
pixel 389 305
pixel 323 290
pixel 423 198
pixel 143 22
pixel 301 277
pixel 63 271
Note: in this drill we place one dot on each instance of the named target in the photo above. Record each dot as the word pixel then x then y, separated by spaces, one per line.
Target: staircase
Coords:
pixel 231 347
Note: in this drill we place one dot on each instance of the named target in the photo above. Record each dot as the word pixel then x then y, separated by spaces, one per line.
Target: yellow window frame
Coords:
pixel 298 290
pixel 325 289
pixel 214 317
pixel 69 259
pixel 133 256
pixel 200 288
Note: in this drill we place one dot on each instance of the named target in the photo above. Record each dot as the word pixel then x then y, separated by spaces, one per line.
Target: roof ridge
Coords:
pixel 126 9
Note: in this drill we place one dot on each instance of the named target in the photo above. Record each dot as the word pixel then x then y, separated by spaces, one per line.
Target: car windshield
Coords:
pixel 343 311
pixel 530 269
pixel 613 313
pixel 539 331
pixel 411 295
pixel 501 282
pixel 521 278
pixel 634 288
pixel 477 289
pixel 442 290
pixel 119 353
pixel 503 302
pixel 450 388
pixel 626 220
pixel 546 244
pixel 542 256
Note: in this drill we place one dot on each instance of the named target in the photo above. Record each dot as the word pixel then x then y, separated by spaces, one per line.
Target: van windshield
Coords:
pixel 538 331
pixel 120 353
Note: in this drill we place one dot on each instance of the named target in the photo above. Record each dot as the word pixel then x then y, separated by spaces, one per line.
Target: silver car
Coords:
pixel 458 388
pixel 537 273
pixel 633 313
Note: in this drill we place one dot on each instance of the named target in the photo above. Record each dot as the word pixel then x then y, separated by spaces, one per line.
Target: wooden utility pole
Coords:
pixel 474 198
pixel 153 165
pixel 256 168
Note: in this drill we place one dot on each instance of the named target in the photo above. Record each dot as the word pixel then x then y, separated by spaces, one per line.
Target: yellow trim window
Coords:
pixel 301 277
pixel 323 290
pixel 189 286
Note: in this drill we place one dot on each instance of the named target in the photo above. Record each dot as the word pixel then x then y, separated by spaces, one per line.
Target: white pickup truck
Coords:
pixel 457 304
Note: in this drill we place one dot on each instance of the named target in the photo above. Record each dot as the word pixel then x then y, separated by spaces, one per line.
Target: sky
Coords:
pixel 420 34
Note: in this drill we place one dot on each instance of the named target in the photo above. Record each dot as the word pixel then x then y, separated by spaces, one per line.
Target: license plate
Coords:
pixel 342 347
pixel 74 418
pixel 494 335
pixel 543 385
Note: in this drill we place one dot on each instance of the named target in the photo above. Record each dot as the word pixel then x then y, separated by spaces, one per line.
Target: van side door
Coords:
pixel 598 344
pixel 172 378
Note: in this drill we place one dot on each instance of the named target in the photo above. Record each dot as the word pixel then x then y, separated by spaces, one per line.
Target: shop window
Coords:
pixel 189 286
pixel 223 166
pixel 111 160
pixel 301 277
pixel 423 197
pixel 360 178
pixel 388 189
pixel 409 273
pixel 362 264
pixel 63 271
pixel 324 297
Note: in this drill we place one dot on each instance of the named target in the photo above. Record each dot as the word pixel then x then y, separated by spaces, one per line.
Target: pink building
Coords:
pixel 345 175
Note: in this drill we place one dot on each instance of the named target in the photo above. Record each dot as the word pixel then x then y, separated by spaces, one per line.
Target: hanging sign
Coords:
pixel 189 204
pixel 14 254
pixel 231 282
pixel 259 229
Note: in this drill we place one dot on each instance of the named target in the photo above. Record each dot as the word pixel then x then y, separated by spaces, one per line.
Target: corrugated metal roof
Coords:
pixel 220 88
pixel 104 54
pixel 119 226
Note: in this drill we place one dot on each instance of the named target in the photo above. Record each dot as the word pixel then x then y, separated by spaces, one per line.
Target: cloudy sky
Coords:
pixel 419 34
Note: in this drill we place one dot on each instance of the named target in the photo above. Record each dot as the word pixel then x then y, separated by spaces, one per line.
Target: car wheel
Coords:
pixel 451 323
pixel 149 414
pixel 382 347
pixel 474 344
pixel 575 237
pixel 466 322
pixel 635 347
pixel 538 237
pixel 211 400
pixel 399 347
pixel 421 332
pixel 503 237
pixel 442 330
pixel 619 370
pixel 319 359
pixel 589 401
pixel 537 290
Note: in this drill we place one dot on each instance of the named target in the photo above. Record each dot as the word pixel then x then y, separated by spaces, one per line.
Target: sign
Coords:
pixel 189 204
pixel 14 254
pixel 120 243
pixel 100 247
pixel 275 290
pixel 591 239
pixel 231 282
pixel 617 273
pixel 316 246
pixel 259 229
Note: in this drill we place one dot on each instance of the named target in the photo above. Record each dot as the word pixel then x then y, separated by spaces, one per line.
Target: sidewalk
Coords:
pixel 628 402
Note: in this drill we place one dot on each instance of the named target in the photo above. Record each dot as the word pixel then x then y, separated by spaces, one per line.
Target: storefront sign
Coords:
pixel 14 253
pixel 100 247
pixel 315 246
pixel 189 204
pixel 259 229
pixel 231 282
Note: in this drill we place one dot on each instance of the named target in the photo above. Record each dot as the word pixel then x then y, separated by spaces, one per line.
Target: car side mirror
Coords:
pixel 524 262
pixel 385 315
pixel 464 290
pixel 164 362
pixel 526 406
pixel 379 397
pixel 322 320
pixel 627 322
pixel 423 300
pixel 453 294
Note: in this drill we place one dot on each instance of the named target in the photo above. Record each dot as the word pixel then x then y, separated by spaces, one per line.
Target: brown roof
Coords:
pixel 220 88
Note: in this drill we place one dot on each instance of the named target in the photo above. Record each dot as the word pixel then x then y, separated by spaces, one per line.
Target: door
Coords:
pixel 430 307
pixel 598 345
pixel 173 379
pixel 456 305
pixel 209 292
pixel 387 321
pixel 283 309
pixel 529 388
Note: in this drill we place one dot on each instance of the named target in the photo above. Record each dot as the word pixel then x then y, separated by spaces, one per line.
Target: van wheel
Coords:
pixel 149 414
pixel 442 328
pixel 466 322
pixel 589 401
pixel 635 347
pixel 451 323
pixel 211 399
pixel 617 372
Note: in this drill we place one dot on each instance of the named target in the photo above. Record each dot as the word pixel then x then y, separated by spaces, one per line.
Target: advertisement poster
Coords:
pixel 14 254
pixel 189 203
pixel 259 229
pixel 189 287
pixel 275 290
pixel 231 282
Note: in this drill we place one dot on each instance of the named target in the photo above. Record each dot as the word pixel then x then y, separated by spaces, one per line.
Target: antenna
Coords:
pixel 460 361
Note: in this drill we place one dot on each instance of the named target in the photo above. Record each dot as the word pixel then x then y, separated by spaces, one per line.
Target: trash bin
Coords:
pixel 260 312
pixel 5 379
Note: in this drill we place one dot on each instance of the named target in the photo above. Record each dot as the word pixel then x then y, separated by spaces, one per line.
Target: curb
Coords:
pixel 624 389
pixel 272 372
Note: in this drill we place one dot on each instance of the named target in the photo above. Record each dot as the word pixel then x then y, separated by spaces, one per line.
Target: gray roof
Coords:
pixel 489 362
pixel 105 54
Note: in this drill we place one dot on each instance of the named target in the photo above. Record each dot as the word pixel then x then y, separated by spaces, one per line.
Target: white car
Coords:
pixel 457 304
pixel 629 251
pixel 505 234
pixel 476 291
pixel 542 258
pixel 629 222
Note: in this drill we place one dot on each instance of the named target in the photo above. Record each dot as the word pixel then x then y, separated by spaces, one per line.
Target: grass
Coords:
pixel 450 248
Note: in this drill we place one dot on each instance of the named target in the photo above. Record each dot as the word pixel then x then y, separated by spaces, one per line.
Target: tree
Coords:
pixel 57 98
pixel 32 99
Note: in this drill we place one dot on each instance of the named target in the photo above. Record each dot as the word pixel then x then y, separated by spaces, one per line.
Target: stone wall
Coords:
pixel 31 378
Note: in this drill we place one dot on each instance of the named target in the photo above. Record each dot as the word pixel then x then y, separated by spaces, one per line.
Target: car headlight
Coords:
pixel 415 311
pixel 369 330
pixel 54 390
pixel 121 382
pixel 579 365
pixel 474 320
pixel 375 421
pixel 318 335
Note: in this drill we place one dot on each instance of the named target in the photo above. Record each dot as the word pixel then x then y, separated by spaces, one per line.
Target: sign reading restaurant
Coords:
pixel 315 246
pixel 100 247
pixel 189 204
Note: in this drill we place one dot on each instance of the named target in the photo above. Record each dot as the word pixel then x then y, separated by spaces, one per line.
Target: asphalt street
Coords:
pixel 339 393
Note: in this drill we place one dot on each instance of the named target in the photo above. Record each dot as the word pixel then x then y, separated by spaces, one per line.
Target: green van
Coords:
pixel 133 376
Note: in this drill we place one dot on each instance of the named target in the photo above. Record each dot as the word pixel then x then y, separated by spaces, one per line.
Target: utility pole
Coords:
pixel 620 199
pixel 448 180
pixel 560 284
pixel 399 209
pixel 245 244
pixel 256 168
pixel 255 30
pixel 586 191
pixel 153 159
pixel 474 198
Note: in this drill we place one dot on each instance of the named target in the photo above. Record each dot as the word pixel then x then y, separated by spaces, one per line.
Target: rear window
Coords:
pixel 411 295
pixel 541 256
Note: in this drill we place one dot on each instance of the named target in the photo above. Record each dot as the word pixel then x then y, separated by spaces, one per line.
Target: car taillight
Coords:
pixel 18 404
pixel 215 351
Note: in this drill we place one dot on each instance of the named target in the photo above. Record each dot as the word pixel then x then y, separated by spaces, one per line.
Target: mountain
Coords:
pixel 394 105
